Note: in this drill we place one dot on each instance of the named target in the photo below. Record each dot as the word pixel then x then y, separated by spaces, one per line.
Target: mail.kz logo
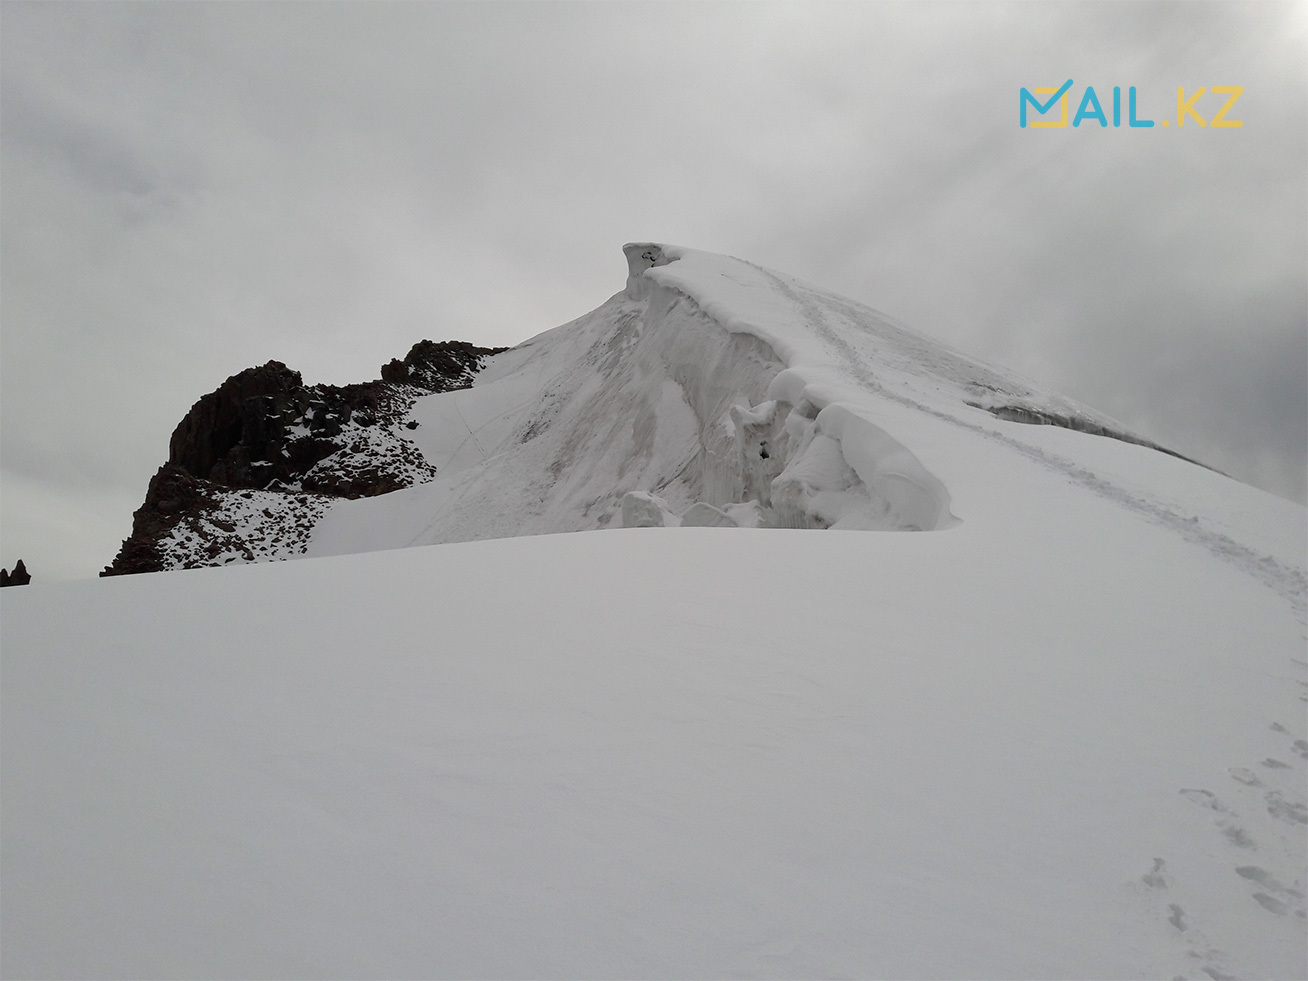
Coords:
pixel 1091 108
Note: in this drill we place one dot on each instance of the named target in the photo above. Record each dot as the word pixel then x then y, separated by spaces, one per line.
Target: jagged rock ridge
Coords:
pixel 254 463
pixel 19 577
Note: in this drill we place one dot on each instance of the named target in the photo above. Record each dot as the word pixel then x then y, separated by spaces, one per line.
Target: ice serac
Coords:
pixel 827 465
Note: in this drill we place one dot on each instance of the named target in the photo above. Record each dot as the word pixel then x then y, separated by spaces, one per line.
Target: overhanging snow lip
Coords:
pixel 644 255
pixel 1031 415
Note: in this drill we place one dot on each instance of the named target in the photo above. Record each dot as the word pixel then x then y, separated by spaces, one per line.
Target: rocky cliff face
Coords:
pixel 255 462
pixel 19 577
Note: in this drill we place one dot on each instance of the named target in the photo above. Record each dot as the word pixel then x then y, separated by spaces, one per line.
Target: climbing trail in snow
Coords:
pixel 1291 584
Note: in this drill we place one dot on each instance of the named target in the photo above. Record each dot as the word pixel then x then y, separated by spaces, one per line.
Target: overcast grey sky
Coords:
pixel 190 189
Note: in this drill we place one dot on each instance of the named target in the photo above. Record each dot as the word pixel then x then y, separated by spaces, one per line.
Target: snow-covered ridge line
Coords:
pixel 811 409
pixel 824 341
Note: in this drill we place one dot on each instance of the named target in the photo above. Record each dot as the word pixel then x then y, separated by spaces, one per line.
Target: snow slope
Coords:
pixel 1062 735
pixel 671 753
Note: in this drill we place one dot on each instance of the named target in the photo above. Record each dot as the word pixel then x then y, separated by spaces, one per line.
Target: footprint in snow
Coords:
pixel 1236 835
pixel 1272 764
pixel 1154 878
pixel 1245 776
pixel 1204 798
pixel 1271 904
pixel 1265 879
pixel 1288 811
pixel 1211 957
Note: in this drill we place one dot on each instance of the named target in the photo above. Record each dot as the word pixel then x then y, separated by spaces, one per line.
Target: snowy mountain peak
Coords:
pixel 709 391
pixel 716 391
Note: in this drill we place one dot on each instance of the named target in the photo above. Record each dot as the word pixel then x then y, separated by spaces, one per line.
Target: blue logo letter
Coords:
pixel 1090 99
pixel 1041 108
pixel 1130 107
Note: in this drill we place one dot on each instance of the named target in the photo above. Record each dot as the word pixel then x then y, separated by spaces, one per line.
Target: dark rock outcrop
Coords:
pixel 263 429
pixel 240 419
pixel 441 367
pixel 19 577
pixel 172 495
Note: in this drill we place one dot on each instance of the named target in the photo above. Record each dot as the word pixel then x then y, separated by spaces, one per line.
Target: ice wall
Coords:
pixel 769 430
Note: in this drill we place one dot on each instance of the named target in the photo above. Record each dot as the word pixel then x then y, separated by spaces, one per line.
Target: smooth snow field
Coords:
pixel 1075 751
